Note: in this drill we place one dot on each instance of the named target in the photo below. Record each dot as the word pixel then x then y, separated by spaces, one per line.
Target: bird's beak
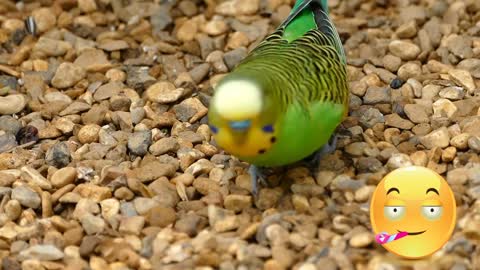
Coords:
pixel 240 126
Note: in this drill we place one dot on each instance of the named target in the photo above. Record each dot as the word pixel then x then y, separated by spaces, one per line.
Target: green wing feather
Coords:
pixel 307 15
pixel 307 67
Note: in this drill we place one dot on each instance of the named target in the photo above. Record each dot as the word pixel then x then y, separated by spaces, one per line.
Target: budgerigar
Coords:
pixel 284 101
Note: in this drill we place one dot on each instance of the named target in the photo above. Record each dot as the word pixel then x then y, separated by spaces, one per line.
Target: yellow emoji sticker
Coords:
pixel 413 212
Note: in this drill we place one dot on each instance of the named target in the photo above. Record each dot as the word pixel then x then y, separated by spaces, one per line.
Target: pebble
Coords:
pixel 404 49
pixel 472 65
pixel 161 216
pixel 58 155
pixel 452 93
pixel 7 142
pixel 474 143
pixel 67 75
pixel 394 120
pixel 190 110
pixel 33 176
pixel 12 104
pixel 63 177
pixel 109 209
pixel 238 7
pixel 397 83
pixel 361 240
pixel 376 95
pixel 9 124
pixel 164 145
pixel 51 47
pixel 463 78
pixel 233 57
pixel 26 196
pixel 93 60
pixel 113 45
pixel 399 160
pixel 139 78
pixel 87 6
pixel 391 62
pixel 45 19
pixel 459 45
pixel 409 70
pixel 416 113
pixel 419 158
pixel 164 93
pixel 437 138
pixel 407 30
pixel 237 203
pixel 276 234
pixel 89 133
pixel 139 142
pixel 44 252
pixel 444 108
pixel 13 209
pixel 92 224
pixel 132 225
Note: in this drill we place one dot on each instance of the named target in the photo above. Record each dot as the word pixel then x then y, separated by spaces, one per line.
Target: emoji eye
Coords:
pixel 432 212
pixel 394 212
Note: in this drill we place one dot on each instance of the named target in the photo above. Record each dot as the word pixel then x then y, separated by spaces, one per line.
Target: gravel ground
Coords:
pixel 107 162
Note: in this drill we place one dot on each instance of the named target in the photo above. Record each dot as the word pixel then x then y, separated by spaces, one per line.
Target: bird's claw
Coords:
pixel 257 177
pixel 326 149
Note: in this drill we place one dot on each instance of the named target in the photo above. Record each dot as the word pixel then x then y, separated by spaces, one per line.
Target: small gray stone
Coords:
pixel 344 182
pixel 459 45
pixel 128 209
pixel 138 78
pixel 8 81
pixel 9 124
pixel 474 143
pixel 160 19
pixel 139 142
pixel 58 155
pixel 26 196
pixel 199 72
pixel 376 95
pixel 7 142
pixel 232 58
pixel 371 117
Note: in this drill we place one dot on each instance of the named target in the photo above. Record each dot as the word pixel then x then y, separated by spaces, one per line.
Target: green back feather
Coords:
pixel 307 15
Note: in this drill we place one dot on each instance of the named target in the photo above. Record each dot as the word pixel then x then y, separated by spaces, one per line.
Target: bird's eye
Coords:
pixel 432 212
pixel 214 129
pixel 268 128
pixel 394 212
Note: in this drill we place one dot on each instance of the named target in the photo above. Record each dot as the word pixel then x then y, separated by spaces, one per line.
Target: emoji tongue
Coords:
pixel 383 238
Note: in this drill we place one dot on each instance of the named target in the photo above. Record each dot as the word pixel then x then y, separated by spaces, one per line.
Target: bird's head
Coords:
pixel 242 118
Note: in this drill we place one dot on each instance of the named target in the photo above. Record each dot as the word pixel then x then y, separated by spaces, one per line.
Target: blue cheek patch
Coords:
pixel 268 128
pixel 214 129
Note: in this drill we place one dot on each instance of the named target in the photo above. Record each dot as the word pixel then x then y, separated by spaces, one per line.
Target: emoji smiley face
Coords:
pixel 416 202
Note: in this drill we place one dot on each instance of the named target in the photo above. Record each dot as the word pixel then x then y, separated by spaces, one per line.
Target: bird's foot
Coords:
pixel 257 176
pixel 326 149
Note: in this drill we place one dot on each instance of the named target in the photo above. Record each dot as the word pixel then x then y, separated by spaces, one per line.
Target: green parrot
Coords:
pixel 283 102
